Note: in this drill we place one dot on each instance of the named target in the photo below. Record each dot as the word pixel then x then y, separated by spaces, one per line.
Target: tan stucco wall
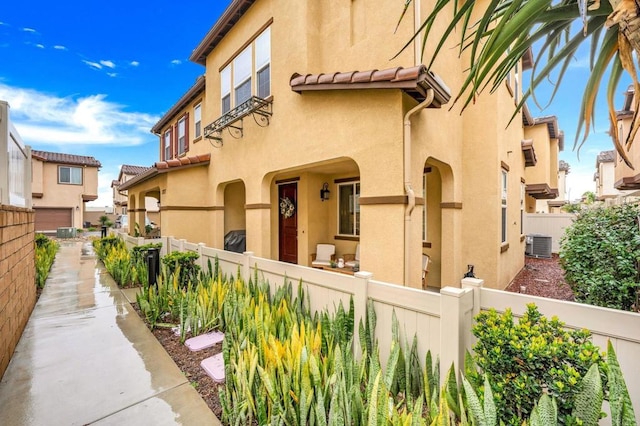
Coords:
pixel 319 137
pixel 541 173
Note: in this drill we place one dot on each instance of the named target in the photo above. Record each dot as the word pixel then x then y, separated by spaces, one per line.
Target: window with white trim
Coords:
pixel 70 175
pixel 197 120
pixel 182 135
pixel 225 88
pixel 503 207
pixel 248 74
pixel 424 207
pixel 167 145
pixel 522 195
pixel 349 209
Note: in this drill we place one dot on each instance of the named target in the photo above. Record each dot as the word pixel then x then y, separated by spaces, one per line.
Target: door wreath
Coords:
pixel 286 207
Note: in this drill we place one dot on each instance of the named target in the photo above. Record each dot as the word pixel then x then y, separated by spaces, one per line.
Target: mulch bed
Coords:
pixel 189 363
pixel 542 277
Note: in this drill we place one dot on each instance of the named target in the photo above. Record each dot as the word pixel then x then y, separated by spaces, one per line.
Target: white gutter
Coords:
pixel 411 196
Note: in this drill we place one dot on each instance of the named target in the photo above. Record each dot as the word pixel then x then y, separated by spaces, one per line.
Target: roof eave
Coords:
pixel 184 100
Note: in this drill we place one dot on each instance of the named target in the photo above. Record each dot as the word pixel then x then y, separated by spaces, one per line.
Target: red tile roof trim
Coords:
pixel 167 166
pixel 415 81
pixel 60 158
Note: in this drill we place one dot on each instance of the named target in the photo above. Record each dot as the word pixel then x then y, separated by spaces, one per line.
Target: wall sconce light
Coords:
pixel 158 203
pixel 77 208
pixel 324 192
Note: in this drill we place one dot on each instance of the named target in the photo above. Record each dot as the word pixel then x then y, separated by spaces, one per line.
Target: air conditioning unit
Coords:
pixel 66 233
pixel 537 245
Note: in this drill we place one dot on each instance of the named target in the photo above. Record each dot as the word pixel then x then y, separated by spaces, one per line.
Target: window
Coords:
pixel 71 175
pixel 424 207
pixel 124 210
pixel 252 64
pixel 225 88
pixel 349 209
pixel 263 64
pixel 522 194
pixel 504 207
pixel 182 135
pixel 197 118
pixel 167 144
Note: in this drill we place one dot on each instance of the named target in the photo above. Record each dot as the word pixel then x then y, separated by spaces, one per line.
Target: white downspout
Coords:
pixel 411 196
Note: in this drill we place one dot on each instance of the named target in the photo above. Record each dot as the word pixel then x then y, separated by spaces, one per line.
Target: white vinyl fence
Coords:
pixel 442 321
pixel 552 224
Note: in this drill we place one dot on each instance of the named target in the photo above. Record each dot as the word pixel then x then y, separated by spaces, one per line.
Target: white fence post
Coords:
pixel 474 284
pixel 165 249
pixel 360 296
pixel 181 245
pixel 140 241
pixel 246 266
pixel 201 261
pixel 452 329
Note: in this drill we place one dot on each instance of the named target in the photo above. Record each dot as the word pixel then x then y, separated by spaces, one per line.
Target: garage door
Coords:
pixel 52 219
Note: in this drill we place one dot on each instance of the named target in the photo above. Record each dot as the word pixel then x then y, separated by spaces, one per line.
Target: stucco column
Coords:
pixel 140 214
pixel 259 229
pixel 382 240
pixel 451 269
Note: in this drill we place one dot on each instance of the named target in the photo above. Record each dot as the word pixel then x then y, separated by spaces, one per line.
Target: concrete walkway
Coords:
pixel 85 357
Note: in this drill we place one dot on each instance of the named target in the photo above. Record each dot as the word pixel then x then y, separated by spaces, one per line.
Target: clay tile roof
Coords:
pixel 56 157
pixel 133 170
pixel 414 81
pixel 167 166
pixel 606 157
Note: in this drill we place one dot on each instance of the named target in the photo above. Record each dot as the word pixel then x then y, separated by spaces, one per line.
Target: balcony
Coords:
pixel 258 108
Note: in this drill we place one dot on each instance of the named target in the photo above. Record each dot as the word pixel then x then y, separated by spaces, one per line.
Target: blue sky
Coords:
pixel 92 78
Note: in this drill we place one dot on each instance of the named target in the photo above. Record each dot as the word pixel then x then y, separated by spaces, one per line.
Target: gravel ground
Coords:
pixel 542 277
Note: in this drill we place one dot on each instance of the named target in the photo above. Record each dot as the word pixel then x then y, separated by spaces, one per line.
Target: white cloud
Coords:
pixel 176 62
pixel 29 30
pixel 94 65
pixel 112 74
pixel 108 64
pixel 40 46
pixel 582 62
pixel 59 47
pixel 3 23
pixel 134 63
pixel 92 120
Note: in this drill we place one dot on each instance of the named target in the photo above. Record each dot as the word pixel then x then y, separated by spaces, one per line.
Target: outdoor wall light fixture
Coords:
pixel 324 192
pixel 77 208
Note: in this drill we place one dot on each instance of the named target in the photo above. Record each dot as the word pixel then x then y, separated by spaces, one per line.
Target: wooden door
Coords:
pixel 288 222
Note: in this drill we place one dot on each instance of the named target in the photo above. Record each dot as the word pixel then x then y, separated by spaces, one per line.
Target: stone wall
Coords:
pixel 17 277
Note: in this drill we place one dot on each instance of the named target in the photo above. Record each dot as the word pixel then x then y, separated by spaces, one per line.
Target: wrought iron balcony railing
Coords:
pixel 258 108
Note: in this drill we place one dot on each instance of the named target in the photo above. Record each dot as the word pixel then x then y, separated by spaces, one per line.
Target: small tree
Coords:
pixel 599 254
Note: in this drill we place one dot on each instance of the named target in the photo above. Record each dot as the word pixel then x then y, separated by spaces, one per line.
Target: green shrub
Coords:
pixel 102 246
pixel 599 256
pixel 45 253
pixel 523 360
pixel 183 264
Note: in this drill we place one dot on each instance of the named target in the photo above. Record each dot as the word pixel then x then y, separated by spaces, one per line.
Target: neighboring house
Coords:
pixel 120 199
pixel 320 138
pixel 555 205
pixel 627 180
pixel 61 184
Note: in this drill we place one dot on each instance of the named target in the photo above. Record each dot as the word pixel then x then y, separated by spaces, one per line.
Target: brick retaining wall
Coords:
pixel 17 277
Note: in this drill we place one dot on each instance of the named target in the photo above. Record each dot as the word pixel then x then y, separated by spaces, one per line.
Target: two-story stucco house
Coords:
pixel 61 184
pixel 303 131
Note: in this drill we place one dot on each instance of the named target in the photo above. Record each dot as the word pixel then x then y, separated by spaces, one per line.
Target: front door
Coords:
pixel 288 222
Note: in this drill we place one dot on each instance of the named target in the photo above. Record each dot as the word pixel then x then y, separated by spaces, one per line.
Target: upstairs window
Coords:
pixel 182 135
pixel 225 88
pixel 503 207
pixel 263 64
pixel 70 175
pixel 197 118
pixel 349 209
pixel 424 207
pixel 248 74
pixel 242 76
pixel 167 144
